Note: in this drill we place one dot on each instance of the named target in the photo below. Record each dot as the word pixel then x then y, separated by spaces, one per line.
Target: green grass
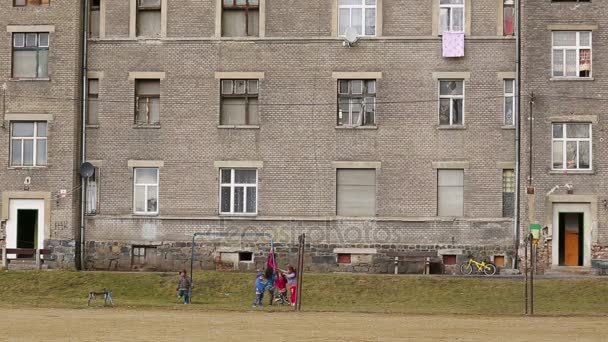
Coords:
pixel 322 292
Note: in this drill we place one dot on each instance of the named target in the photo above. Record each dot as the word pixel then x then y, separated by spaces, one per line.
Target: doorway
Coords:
pixel 571 239
pixel 27 229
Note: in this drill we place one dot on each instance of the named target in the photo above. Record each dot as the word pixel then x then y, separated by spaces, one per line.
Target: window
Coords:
pixel 147 102
pixel 451 102
pixel 28 143
pixel 571 54
pixel 245 257
pixel 572 146
pixel 357 103
pixel 92 187
pixel 449 259
pixel 344 258
pixel 144 255
pixel 22 3
pixel 509 119
pixel 240 18
pixel 451 16
pixel 358 14
pixel 239 102
pixel 148 18
pixel 94 18
pixel 450 192
pixel 145 199
pixel 570 0
pixel 508 192
pixel 238 191
pixel 356 193
pixel 508 17
pixel 30 55
pixel 93 104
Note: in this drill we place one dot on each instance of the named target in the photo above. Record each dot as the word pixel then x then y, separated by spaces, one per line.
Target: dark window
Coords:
pixel 239 102
pixel 344 259
pixel 240 18
pixel 357 103
pixel 30 55
pixel 147 102
pixel 245 256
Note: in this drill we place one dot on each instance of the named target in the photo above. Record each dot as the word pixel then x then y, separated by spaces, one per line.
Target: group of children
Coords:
pixel 276 283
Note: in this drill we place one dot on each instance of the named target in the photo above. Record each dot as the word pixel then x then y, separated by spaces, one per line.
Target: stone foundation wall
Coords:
pixel 63 254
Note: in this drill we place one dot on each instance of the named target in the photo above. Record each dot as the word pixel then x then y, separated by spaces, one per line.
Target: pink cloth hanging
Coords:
pixel 453 44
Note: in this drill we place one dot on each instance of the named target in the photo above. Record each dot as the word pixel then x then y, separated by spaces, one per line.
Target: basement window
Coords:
pixel 499 260
pixel 344 258
pixel 245 256
pixel 449 259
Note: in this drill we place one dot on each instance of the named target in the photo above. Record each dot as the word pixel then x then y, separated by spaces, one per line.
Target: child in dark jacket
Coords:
pixel 260 287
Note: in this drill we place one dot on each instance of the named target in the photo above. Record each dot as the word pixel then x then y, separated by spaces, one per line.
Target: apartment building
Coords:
pixel 255 116
pixel 39 148
pixel 564 91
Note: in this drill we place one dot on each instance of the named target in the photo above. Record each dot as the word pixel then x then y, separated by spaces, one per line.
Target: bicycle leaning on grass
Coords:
pixel 480 267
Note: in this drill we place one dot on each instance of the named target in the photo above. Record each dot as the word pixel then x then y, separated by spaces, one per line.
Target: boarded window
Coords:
pixel 148 18
pixel 30 55
pixel 449 260
pixel 508 193
pixel 240 18
pixel 344 258
pixel 94 18
pixel 356 195
pixel 239 102
pixel 93 102
pixel 147 102
pixel 450 192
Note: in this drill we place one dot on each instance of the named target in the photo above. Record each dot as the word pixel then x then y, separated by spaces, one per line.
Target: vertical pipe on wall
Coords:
pixel 517 131
pixel 83 141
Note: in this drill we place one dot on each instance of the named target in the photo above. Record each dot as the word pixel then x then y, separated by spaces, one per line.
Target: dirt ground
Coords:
pixel 175 325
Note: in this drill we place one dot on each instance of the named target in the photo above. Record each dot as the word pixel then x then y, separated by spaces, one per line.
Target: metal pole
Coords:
pixel 517 131
pixel 191 271
pixel 83 143
pixel 301 249
pixel 533 257
pixel 526 275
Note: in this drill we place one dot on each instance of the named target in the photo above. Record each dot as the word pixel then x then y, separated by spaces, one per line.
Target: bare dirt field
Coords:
pixel 174 325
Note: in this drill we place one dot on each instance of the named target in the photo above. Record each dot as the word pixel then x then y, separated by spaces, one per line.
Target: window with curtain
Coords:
pixel 451 102
pixel 145 188
pixel 451 16
pixel 357 103
pixel 28 143
pixel 358 14
pixel 239 100
pixel 571 54
pixel 92 193
pixel 572 148
pixel 509 119
pixel 30 55
pixel 450 192
pixel 508 17
pixel 356 192
pixel 239 191
pixel 147 102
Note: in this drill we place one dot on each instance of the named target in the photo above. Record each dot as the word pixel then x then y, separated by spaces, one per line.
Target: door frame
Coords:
pixel 12 225
pixel 44 212
pixel 588 224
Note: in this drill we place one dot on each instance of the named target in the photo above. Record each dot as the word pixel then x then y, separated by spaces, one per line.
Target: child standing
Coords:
pixel 280 285
pixel 292 281
pixel 260 287
pixel 183 287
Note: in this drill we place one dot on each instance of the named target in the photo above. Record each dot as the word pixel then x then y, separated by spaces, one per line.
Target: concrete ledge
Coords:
pixel 451 165
pixel 572 27
pixel 573 118
pixel 450 252
pixel 505 165
pixel 95 74
pixel 506 75
pixel 28 117
pixel 96 163
pixel 356 75
pixel 465 75
pixel 250 75
pixel 355 251
pixel 238 164
pixel 356 165
pixel 154 75
pixel 30 28
pixel 145 163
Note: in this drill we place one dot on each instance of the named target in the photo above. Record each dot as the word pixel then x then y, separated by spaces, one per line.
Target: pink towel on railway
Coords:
pixel 453 44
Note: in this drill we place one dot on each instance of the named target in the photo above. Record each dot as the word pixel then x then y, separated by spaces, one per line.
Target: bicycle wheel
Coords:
pixel 489 270
pixel 466 268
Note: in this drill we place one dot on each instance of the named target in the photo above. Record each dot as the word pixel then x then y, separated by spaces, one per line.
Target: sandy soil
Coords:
pixel 174 325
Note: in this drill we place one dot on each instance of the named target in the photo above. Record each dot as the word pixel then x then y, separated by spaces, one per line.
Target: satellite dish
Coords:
pixel 351 36
pixel 87 169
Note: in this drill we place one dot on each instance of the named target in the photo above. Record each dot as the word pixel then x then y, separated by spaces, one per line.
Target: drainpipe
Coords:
pixel 517 131
pixel 83 141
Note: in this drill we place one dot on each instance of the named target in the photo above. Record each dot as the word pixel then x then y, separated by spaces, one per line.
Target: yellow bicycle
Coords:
pixel 480 267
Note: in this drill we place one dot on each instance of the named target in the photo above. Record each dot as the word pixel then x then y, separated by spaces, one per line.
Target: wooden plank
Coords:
pixel 27 251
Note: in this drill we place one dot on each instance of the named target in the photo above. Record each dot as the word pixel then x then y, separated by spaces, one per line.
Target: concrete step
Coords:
pixel 24 265
pixel 570 271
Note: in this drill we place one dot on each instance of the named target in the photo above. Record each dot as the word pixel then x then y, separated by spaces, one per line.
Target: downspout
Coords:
pixel 83 141
pixel 517 131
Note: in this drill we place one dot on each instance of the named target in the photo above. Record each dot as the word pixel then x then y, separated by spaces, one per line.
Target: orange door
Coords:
pixel 571 249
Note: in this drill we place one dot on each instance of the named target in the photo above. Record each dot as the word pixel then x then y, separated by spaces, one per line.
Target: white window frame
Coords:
pixel 451 98
pixel 510 95
pixel 450 8
pixel 578 49
pixel 232 185
pixel 35 139
pixel 364 95
pixel 564 139
pixel 146 186
pixel 363 8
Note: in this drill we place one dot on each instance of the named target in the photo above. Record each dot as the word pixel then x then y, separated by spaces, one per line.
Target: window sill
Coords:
pixel 508 127
pixel 575 79
pixel 28 167
pixel 454 127
pixel 572 172
pixel 33 79
pixel 238 216
pixel 238 126
pixel 146 126
pixel 356 127
pixel 92 126
pixel 146 214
